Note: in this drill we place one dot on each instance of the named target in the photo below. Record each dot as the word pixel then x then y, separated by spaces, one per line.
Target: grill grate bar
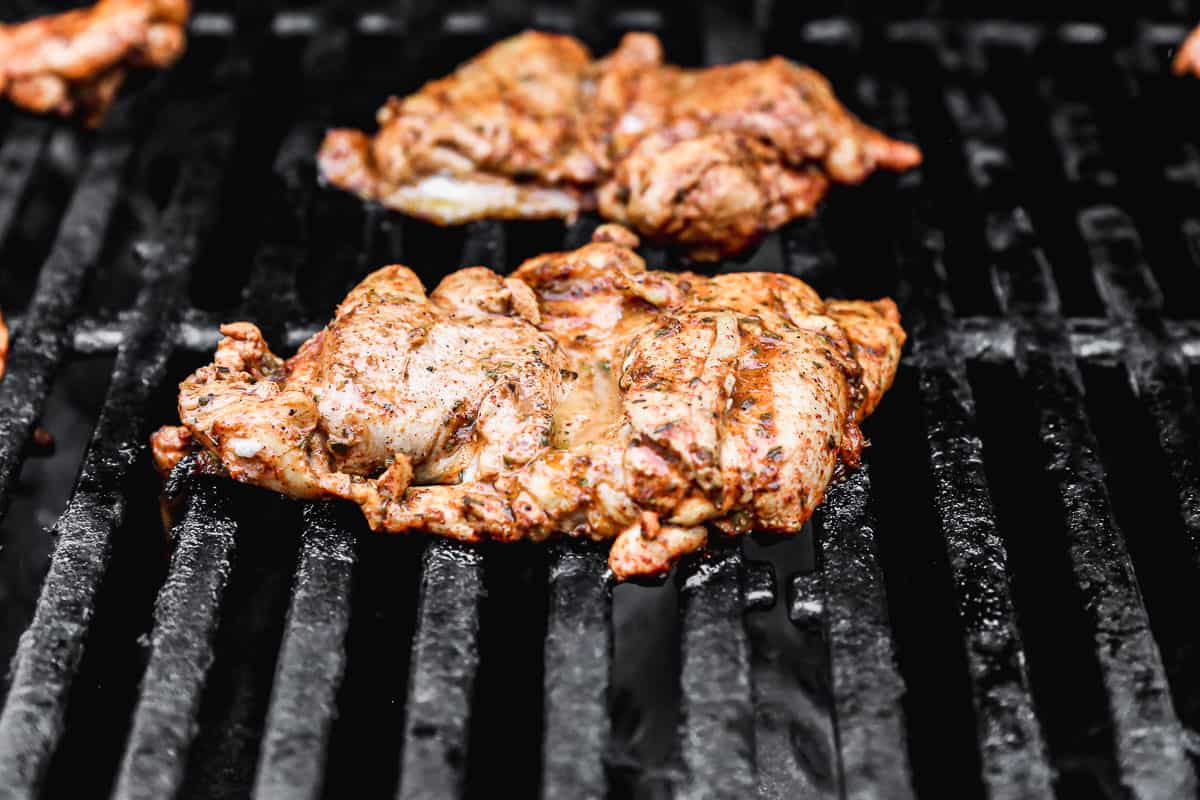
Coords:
pixel 1148 737
pixel 445 650
pixel 1134 302
pixel 978 338
pixel 312 656
pixel 717 726
pixel 270 297
pixel 36 353
pixel 445 659
pixel 848 596
pixel 1156 370
pixel 1011 746
pixel 185 621
pixel 577 658
pixel 49 653
pixel 311 661
pixel 578 653
pixel 186 609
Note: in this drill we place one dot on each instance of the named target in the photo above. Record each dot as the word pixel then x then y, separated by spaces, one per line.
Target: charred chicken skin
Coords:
pixel 582 396
pixel 710 159
pixel 74 62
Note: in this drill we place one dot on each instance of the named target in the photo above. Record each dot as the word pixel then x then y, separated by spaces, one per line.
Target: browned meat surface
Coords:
pixel 709 159
pixel 1187 57
pixel 582 396
pixel 74 62
pixel 168 446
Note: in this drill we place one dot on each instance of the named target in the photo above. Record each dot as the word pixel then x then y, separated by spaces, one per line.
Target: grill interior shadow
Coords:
pixel 364 745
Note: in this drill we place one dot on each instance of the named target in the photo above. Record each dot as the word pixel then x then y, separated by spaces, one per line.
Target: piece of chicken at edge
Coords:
pixel 709 160
pixel 583 395
pixel 1187 57
pixel 74 62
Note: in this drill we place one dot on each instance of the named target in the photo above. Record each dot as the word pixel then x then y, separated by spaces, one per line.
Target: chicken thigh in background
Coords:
pixel 707 159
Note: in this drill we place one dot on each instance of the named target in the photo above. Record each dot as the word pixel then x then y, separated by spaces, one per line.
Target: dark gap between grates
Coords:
pixel 44 483
pixel 1163 179
pixel 794 731
pixel 364 744
pixel 24 143
pixel 161 169
pixel 1147 512
pixel 645 689
pixel 867 266
pixel 506 709
pixel 335 255
pixel 1065 678
pixel 238 685
pixel 221 270
pixel 1049 196
pixel 35 225
pixel 921 605
pixel 956 205
pixel 114 283
pixel 533 238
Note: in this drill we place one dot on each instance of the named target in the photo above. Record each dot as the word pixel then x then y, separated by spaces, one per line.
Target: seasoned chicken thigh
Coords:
pixel 74 62
pixel 582 396
pixel 711 159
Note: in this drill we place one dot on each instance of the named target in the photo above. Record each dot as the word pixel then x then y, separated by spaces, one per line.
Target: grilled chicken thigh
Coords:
pixel 710 159
pixel 582 396
pixel 74 62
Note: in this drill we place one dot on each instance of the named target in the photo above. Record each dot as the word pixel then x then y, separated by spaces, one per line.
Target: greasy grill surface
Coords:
pixel 998 604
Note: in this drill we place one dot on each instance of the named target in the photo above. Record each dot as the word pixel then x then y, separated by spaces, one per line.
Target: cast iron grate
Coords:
pixel 975 598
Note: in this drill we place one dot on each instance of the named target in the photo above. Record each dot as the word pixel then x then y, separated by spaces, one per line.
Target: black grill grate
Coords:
pixel 975 598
